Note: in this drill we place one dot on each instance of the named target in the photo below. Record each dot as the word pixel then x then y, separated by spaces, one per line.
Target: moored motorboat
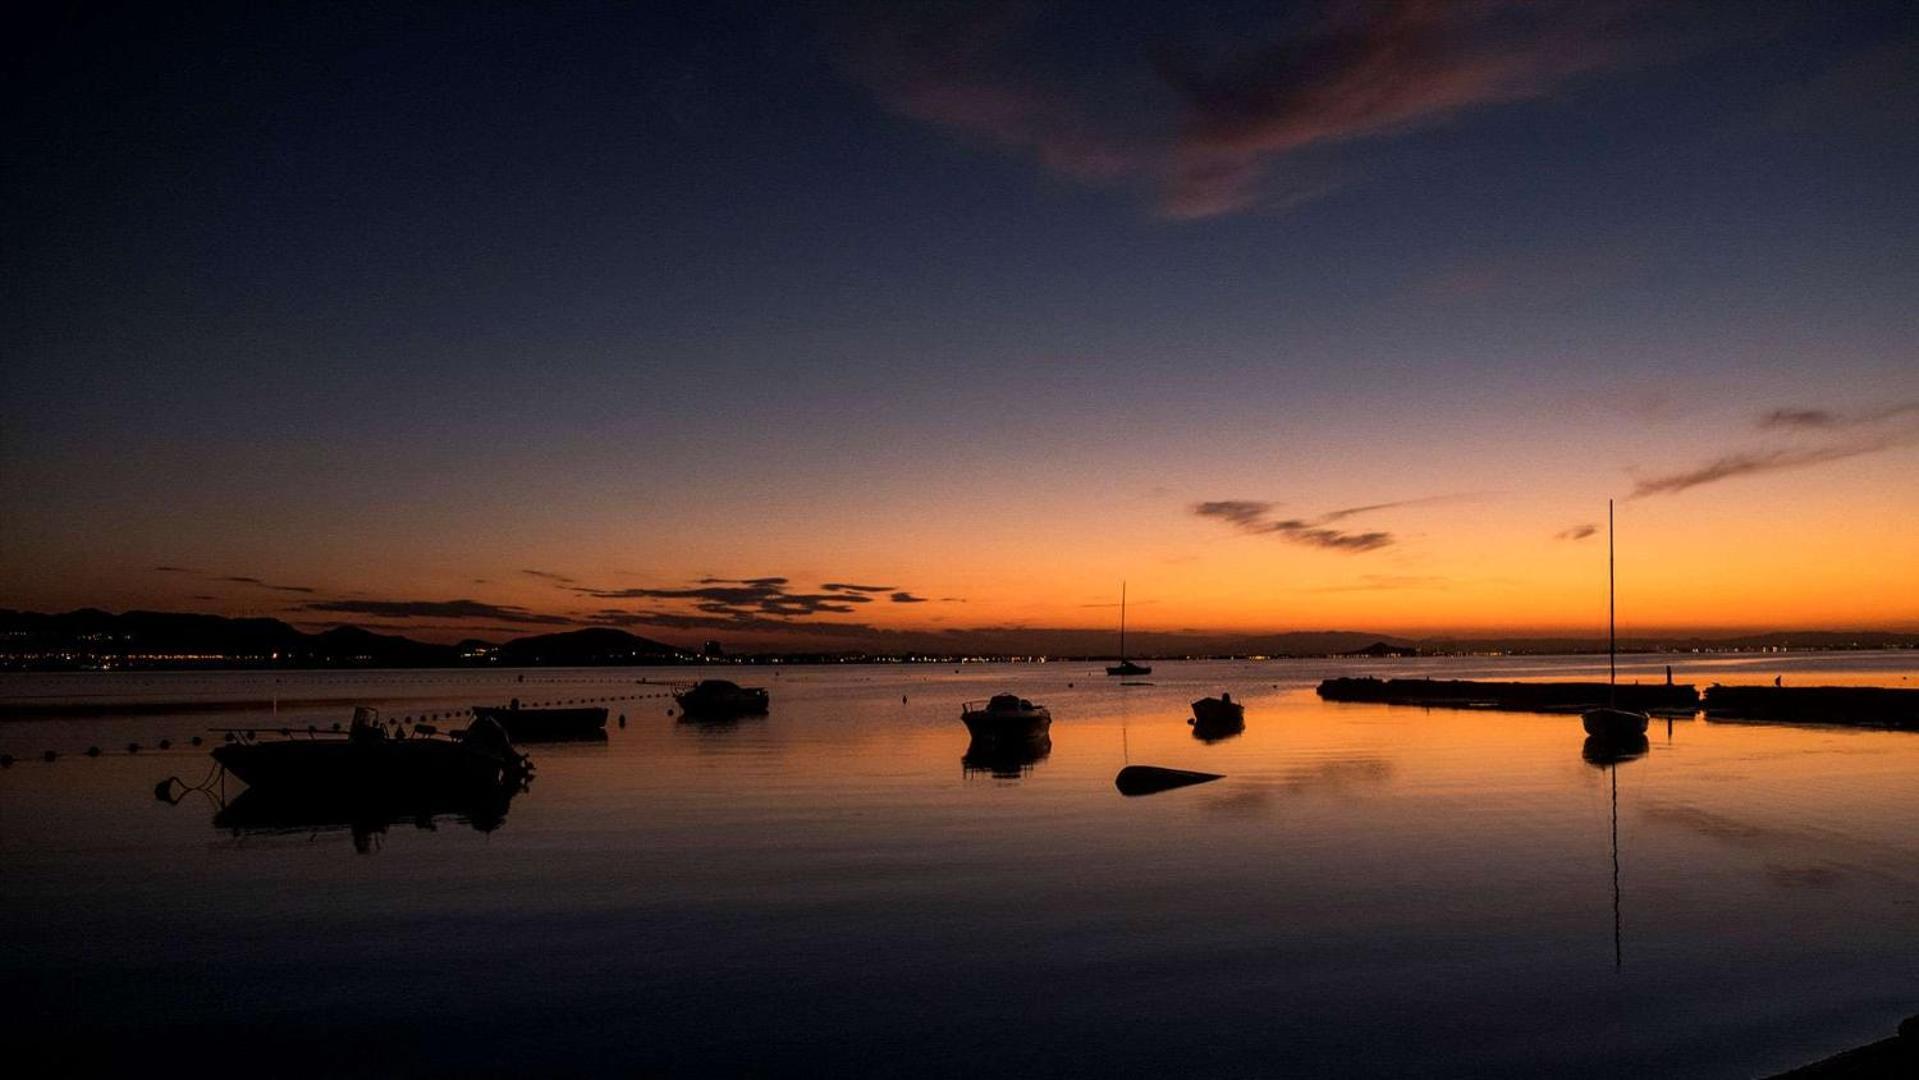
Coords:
pixel 536 725
pixel 719 697
pixel 368 759
pixel 1006 716
pixel 1220 712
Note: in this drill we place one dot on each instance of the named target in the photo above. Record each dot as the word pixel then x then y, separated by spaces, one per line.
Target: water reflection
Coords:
pixel 1004 759
pixel 1608 752
pixel 366 815
pixel 1212 729
pixel 1603 751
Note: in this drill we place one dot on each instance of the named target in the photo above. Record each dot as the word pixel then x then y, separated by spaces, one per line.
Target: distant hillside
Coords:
pixel 91 638
pixel 595 645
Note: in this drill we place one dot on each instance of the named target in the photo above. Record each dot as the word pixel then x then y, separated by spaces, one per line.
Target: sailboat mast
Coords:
pixel 1122 622
pixel 1612 623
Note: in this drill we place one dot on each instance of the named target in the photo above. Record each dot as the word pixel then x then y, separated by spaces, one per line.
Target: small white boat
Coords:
pixel 1006 716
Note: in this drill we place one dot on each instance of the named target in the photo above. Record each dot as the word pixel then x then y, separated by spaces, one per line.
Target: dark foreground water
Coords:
pixel 832 889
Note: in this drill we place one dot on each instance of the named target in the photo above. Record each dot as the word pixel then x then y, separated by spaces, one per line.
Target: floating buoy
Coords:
pixel 6 761
pixel 93 751
pixel 166 744
pixel 49 756
pixel 133 748
pixel 622 719
pixel 195 740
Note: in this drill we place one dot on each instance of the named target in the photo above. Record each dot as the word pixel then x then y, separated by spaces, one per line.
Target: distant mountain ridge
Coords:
pixel 90 637
pixel 160 638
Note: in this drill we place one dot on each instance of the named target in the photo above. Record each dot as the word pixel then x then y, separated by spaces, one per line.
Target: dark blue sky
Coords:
pixel 277 278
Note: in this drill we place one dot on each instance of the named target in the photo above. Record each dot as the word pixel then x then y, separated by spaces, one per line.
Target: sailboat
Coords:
pixel 1613 722
pixel 1125 666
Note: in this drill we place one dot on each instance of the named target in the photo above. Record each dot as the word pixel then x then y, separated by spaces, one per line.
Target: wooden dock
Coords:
pixel 1511 696
pixel 1853 706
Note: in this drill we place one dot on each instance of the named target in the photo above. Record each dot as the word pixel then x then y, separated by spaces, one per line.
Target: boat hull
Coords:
pixel 1128 668
pixel 986 725
pixel 372 767
pixel 545 725
pixel 1212 712
pixel 743 703
pixel 1614 723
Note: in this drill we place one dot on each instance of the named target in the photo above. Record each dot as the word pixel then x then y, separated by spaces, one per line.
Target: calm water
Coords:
pixel 1371 890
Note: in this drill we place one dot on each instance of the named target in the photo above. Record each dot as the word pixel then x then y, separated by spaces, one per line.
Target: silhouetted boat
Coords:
pixel 1125 666
pixel 367 759
pixel 1612 722
pixel 1006 717
pixel 719 697
pixel 1150 779
pixel 539 725
pixel 1221 711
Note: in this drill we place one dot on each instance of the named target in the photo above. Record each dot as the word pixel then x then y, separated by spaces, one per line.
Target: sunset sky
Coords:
pixel 776 323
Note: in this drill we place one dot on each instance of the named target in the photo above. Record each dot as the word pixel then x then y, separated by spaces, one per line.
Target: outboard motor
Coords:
pixel 487 736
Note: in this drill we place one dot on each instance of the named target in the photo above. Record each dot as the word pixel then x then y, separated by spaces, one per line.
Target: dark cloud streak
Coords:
pixel 437 609
pixel 1252 516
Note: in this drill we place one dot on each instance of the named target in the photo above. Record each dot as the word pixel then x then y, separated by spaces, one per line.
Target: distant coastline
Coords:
pixel 94 640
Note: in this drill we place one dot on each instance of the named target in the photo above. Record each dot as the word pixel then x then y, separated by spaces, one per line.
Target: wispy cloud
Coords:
pixel 1254 516
pixel 738 602
pixel 1851 434
pixel 1577 532
pixel 1753 463
pixel 437 609
pixel 236 579
pixel 548 575
pixel 1386 583
pixel 1148 103
pixel 241 580
pixel 677 620
pixel 1827 419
